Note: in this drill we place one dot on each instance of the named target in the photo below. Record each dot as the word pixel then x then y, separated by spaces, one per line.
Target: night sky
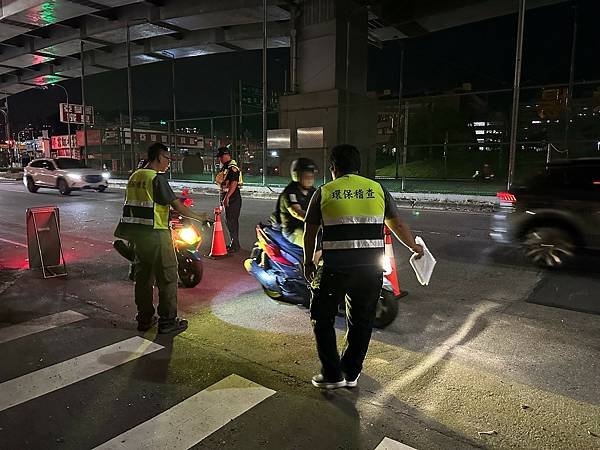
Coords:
pixel 482 54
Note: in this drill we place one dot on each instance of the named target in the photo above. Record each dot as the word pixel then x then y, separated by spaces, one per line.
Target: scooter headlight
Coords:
pixel 189 235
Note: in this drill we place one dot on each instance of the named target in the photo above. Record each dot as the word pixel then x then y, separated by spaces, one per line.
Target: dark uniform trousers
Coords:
pixel 232 216
pixel 361 290
pixel 155 260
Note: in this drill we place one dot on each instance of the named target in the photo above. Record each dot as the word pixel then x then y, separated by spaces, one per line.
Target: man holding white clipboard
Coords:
pixel 352 211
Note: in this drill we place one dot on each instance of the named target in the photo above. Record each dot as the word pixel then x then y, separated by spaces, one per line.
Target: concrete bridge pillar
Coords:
pixel 329 76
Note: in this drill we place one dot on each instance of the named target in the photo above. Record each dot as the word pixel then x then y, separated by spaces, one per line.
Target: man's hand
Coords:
pixel 309 271
pixel 418 249
pixel 205 217
pixel 226 201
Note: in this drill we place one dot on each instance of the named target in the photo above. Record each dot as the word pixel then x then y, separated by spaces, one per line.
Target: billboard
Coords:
pixel 94 137
pixel 62 142
pixel 72 113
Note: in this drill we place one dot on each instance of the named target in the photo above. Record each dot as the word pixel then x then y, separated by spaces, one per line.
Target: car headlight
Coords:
pixel 74 176
pixel 106 175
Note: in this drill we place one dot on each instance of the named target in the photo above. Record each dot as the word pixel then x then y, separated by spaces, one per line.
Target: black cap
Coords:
pixel 223 151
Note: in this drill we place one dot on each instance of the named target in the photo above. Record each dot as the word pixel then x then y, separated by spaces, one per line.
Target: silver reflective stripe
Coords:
pixel 353 220
pixel 353 244
pixel 137 220
pixel 139 203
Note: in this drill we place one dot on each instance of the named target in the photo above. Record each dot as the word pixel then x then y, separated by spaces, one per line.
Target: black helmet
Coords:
pixel 223 151
pixel 301 165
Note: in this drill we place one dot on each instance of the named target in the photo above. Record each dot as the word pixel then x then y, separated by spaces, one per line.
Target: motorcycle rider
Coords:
pixel 293 201
pixel 145 222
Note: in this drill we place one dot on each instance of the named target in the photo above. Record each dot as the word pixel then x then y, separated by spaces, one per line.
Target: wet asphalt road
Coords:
pixel 477 350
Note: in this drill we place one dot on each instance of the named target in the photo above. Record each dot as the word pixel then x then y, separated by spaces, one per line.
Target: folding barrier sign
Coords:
pixel 43 241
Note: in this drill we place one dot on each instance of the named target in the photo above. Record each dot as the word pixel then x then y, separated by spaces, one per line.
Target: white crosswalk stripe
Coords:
pixel 38 325
pixel 27 387
pixel 180 427
pixel 390 444
pixel 194 419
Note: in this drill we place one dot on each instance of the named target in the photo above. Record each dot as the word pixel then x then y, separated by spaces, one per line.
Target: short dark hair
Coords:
pixel 345 158
pixel 155 149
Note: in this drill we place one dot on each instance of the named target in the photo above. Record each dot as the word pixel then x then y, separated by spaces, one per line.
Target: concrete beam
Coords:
pixel 92 25
pixel 116 59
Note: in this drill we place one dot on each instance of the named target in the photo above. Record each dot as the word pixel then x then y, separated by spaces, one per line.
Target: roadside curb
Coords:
pixel 414 200
pixel 11 176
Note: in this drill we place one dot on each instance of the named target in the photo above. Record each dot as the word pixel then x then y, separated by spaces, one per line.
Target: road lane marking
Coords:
pixel 390 444
pixel 38 325
pixel 43 381
pixel 195 418
pixel 8 241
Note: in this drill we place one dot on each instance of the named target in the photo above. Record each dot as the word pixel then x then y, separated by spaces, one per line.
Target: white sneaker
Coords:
pixel 320 382
pixel 352 383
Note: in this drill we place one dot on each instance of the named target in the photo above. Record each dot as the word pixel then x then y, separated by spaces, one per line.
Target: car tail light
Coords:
pixel 506 197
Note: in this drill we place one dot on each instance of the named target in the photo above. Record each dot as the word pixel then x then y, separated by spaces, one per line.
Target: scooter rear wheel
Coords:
pixel 387 309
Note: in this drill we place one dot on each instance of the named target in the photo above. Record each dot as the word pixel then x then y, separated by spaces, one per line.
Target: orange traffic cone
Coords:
pixel 218 247
pixel 390 272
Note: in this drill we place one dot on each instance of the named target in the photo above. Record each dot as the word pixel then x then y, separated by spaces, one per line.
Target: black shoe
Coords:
pixel 233 249
pixel 174 327
pixel 322 383
pixel 145 326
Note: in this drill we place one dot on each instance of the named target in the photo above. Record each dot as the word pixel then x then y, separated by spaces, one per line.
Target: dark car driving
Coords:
pixel 555 214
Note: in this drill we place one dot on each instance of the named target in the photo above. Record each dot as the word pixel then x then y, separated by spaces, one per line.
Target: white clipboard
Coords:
pixel 423 267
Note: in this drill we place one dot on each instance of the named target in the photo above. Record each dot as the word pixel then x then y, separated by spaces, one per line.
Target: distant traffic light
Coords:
pixel 163 122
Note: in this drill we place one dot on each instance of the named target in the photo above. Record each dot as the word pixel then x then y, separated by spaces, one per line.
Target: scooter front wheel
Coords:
pixel 190 272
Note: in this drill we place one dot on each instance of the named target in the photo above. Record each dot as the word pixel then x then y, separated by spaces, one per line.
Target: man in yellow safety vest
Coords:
pixel 230 180
pixel 145 222
pixel 352 211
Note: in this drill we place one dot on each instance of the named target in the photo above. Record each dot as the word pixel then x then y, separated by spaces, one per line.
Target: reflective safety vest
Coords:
pixel 140 208
pixel 353 212
pixel 221 177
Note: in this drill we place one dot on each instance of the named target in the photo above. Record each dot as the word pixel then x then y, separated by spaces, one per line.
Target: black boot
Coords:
pixel 173 327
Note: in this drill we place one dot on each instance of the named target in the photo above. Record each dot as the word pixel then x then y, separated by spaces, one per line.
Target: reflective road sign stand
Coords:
pixel 43 241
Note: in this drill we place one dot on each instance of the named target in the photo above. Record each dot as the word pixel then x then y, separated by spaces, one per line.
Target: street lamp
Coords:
pixel 5 113
pixel 45 88
pixel 174 95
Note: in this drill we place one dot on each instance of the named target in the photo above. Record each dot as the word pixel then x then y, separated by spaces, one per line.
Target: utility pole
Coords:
pixel 516 93
pixel 400 93
pixel 569 105
pixel 130 95
pixel 405 145
pixel 264 93
pixel 82 59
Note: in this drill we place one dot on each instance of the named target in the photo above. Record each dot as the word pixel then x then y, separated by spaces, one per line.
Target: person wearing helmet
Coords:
pixel 293 201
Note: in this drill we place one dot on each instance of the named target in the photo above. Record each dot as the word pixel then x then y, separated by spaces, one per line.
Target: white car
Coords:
pixel 64 174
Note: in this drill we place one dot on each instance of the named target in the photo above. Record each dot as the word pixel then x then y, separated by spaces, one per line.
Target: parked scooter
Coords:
pixel 186 239
pixel 277 265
